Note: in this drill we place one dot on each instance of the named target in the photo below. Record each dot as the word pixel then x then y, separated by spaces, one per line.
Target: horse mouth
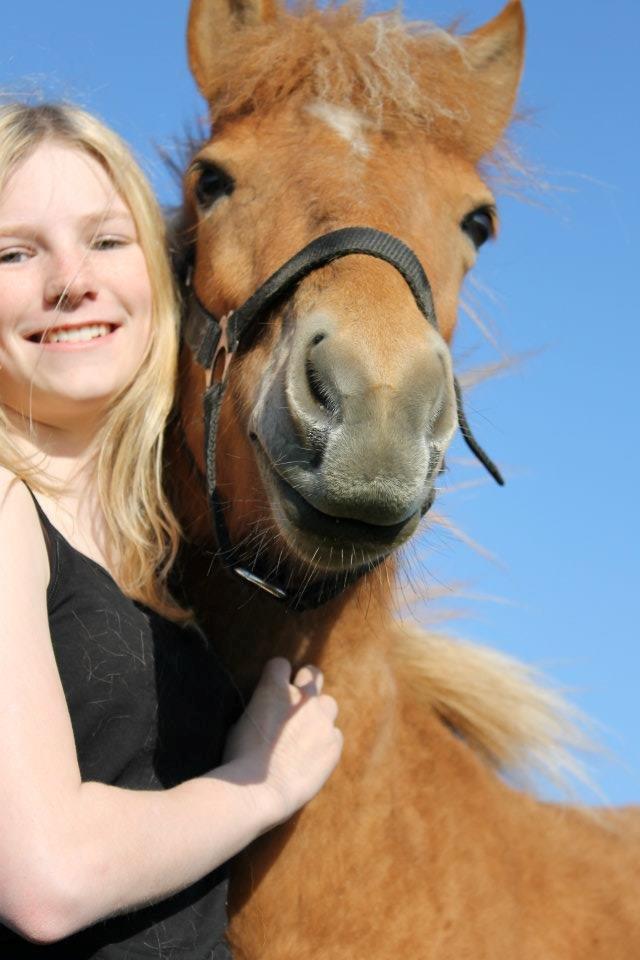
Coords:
pixel 329 541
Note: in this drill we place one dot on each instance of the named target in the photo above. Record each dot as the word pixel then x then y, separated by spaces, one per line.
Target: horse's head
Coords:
pixel 341 403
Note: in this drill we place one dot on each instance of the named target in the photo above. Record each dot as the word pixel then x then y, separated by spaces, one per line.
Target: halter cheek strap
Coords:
pixel 215 341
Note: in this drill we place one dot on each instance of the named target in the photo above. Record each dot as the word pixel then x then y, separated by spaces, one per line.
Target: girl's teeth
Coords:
pixel 77 333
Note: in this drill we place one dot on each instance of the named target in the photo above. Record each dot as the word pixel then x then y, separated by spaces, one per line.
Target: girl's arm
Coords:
pixel 72 853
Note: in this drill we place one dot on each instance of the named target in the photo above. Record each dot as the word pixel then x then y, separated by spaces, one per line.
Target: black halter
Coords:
pixel 214 342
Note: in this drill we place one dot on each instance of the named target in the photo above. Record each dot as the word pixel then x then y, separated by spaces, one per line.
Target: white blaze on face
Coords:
pixel 346 122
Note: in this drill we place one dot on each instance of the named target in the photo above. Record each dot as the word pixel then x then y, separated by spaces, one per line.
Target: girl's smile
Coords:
pixel 74 337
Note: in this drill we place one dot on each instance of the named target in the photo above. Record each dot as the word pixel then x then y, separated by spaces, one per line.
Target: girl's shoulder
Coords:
pixel 14 494
pixel 7 479
pixel 22 543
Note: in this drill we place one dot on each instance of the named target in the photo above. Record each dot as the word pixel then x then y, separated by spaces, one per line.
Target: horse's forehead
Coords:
pixel 283 139
pixel 347 122
pixel 331 163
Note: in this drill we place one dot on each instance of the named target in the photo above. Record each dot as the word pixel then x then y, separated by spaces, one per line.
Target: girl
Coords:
pixel 117 801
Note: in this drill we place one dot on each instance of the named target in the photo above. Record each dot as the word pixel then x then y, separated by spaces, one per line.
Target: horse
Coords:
pixel 329 403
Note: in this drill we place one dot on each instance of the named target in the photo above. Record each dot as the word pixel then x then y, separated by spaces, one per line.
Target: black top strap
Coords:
pixel 318 253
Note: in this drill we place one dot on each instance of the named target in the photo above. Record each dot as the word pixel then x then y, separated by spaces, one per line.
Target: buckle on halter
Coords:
pixel 214 373
pixel 271 588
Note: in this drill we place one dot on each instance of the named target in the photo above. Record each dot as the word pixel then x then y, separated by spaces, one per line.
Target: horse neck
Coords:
pixel 248 627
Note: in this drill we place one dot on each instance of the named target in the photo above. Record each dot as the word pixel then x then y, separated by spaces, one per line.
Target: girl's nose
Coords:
pixel 70 282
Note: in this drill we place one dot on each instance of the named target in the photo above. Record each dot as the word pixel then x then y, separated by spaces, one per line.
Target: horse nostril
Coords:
pixel 442 421
pixel 317 388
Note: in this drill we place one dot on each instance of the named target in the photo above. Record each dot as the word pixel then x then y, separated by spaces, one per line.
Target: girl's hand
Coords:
pixel 286 741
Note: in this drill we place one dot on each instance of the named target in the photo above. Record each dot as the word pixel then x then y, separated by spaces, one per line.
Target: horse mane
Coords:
pixel 389 69
pixel 503 709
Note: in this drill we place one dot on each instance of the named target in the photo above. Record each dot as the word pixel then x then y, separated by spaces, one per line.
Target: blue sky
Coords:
pixel 561 290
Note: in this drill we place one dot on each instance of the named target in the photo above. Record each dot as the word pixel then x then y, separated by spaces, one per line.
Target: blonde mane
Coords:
pixel 505 710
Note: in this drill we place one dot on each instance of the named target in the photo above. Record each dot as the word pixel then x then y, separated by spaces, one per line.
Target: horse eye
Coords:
pixel 212 183
pixel 479 226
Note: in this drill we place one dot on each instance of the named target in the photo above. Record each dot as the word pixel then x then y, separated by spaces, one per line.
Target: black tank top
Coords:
pixel 150 706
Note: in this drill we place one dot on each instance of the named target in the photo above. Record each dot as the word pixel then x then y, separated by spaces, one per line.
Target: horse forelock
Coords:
pixel 389 69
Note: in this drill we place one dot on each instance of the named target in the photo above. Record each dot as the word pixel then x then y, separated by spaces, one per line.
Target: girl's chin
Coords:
pixel 62 408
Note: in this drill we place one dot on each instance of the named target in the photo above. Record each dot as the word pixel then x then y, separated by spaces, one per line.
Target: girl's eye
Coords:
pixel 108 243
pixel 479 225
pixel 13 256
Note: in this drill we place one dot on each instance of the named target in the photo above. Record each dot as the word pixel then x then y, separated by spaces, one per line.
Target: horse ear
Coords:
pixel 210 21
pixel 495 55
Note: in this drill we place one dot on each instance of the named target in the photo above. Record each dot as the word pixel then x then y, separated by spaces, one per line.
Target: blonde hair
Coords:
pixel 143 533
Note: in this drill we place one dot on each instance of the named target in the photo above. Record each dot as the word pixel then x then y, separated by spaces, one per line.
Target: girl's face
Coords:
pixel 75 296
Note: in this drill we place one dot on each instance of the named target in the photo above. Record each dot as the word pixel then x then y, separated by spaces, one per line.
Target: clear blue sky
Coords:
pixel 564 282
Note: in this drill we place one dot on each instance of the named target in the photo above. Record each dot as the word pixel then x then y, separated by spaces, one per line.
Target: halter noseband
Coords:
pixel 214 343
